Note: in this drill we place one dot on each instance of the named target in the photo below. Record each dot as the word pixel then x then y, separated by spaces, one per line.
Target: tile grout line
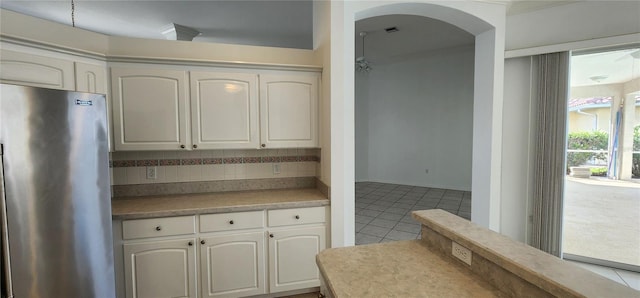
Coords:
pixel 381 193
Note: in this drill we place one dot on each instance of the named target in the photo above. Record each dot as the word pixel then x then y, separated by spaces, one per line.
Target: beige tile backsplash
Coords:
pixel 127 175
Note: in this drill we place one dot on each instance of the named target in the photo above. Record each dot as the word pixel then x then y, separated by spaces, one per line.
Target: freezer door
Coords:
pixel 57 192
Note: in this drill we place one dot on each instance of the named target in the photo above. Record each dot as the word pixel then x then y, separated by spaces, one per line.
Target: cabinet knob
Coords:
pixel 263 145
pixel 190 243
pixel 202 242
pixel 271 235
pixel 182 146
pixel 231 222
pixel 297 216
pixel 195 146
pixel 158 228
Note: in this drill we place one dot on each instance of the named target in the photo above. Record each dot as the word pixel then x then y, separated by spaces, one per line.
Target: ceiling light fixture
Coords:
pixel 362 65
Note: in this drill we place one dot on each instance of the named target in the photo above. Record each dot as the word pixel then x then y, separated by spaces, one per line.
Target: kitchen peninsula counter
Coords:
pixel 219 202
pixel 498 267
pixel 398 269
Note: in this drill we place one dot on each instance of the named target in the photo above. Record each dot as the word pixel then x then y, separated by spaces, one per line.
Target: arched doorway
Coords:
pixel 486 23
pixel 413 124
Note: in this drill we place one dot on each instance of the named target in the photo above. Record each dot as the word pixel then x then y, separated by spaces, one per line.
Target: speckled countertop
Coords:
pixel 549 273
pixel 398 269
pixel 498 267
pixel 188 204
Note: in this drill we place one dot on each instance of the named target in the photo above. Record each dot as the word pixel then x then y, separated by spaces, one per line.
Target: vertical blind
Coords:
pixel 551 88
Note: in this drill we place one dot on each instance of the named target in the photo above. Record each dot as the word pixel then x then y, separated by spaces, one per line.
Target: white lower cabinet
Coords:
pixel 292 258
pixel 157 269
pixel 222 254
pixel 232 265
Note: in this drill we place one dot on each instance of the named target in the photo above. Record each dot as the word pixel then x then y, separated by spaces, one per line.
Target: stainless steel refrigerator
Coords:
pixel 56 197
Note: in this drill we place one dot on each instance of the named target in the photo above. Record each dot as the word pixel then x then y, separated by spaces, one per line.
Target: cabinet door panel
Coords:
pixel 38 71
pixel 289 111
pixel 292 258
pixel 91 78
pixel 233 265
pixel 149 109
pixel 224 109
pixel 160 269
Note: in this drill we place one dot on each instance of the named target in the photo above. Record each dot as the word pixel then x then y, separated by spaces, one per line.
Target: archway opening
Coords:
pixel 413 123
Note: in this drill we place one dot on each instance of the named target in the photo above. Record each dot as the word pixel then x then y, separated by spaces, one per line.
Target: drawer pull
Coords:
pixel 190 243
pixel 202 242
pixel 158 228
pixel 297 216
pixel 231 222
pixel 271 235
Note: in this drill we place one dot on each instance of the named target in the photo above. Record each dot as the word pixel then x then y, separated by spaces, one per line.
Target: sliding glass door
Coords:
pixel 601 220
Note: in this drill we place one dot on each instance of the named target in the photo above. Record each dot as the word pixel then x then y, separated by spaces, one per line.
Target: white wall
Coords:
pixel 321 46
pixel 419 116
pixel 362 127
pixel 517 143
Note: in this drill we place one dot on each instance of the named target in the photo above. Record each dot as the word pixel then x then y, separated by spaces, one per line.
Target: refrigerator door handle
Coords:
pixel 6 269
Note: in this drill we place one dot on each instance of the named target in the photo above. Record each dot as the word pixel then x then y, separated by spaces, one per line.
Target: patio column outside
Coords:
pixel 626 135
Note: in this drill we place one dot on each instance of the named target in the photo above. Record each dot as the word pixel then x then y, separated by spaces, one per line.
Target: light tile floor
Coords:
pixel 383 211
pixel 383 214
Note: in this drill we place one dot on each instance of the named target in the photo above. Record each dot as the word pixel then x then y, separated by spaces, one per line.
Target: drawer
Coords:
pixel 231 221
pixel 298 216
pixel 158 227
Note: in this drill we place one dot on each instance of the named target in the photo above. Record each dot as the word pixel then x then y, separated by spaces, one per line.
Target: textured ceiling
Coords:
pixel 263 23
pixel 286 23
pixel 613 67
pixel 415 35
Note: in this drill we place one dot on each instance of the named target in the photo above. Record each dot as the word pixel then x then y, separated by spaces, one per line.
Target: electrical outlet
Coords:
pixel 152 173
pixel 461 252
pixel 276 168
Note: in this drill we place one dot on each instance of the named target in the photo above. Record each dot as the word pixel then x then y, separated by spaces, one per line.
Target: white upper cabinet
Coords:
pixel 289 110
pixel 224 110
pixel 149 109
pixel 158 109
pixel 38 71
pixel 91 78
